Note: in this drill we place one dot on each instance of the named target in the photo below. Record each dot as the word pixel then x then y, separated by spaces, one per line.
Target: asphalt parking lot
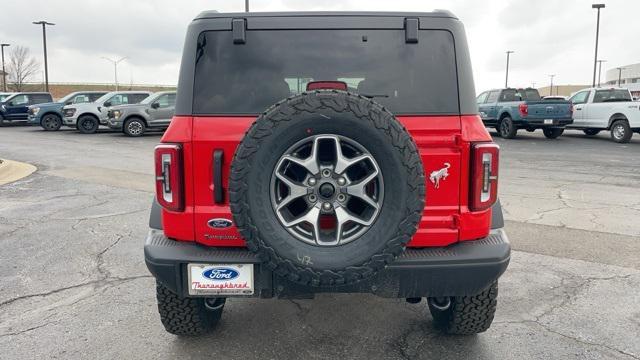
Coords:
pixel 73 283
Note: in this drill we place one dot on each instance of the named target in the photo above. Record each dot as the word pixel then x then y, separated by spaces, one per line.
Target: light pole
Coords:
pixel 600 70
pixel 44 42
pixel 506 78
pixel 115 67
pixel 4 74
pixel 551 76
pixel 246 5
pixel 595 60
pixel 620 75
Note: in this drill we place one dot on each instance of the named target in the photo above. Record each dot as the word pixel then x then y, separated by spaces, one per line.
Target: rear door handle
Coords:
pixel 578 108
pixel 218 193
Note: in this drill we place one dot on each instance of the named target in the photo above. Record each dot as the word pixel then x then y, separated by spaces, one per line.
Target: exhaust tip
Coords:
pixel 413 300
pixel 440 303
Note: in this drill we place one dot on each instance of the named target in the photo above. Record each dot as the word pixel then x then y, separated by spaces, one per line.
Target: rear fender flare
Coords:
pixel 614 117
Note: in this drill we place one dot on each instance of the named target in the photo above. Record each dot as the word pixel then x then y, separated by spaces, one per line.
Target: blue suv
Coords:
pixel 49 115
pixel 15 107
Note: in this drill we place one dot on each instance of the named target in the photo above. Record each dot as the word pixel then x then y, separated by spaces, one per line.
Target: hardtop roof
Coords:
pixel 212 14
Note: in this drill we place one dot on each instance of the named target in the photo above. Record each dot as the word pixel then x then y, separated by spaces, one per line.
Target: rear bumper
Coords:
pixel 532 123
pixel 464 268
pixel 539 123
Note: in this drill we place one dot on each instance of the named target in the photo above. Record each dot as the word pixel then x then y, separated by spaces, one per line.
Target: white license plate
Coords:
pixel 220 279
pixel 548 121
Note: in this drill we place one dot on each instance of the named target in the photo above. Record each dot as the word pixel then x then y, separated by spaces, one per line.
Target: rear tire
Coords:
pixel 134 127
pixel 552 133
pixel 507 128
pixel 621 131
pixel 187 316
pixel 88 124
pixel 467 315
pixel 591 132
pixel 51 122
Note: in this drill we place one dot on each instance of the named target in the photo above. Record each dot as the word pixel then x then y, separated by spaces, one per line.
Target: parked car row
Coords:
pixel 591 110
pixel 132 112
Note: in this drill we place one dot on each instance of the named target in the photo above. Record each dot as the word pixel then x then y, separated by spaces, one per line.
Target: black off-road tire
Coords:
pixel 552 133
pixel 624 125
pixel 140 126
pixel 51 122
pixel 187 316
pixel 507 128
pixel 326 112
pixel 88 124
pixel 497 128
pixel 467 315
pixel 591 132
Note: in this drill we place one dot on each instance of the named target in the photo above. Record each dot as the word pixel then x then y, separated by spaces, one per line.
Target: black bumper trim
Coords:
pixel 463 268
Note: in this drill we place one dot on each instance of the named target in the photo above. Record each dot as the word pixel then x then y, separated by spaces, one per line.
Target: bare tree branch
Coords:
pixel 22 67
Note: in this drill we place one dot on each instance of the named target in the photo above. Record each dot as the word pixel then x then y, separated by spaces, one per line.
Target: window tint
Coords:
pixel 20 100
pixel 248 78
pixel 611 95
pixel 481 98
pixel 510 95
pixel 94 97
pixel 39 98
pixel 530 94
pixel 580 98
pixel 493 96
pixel 136 98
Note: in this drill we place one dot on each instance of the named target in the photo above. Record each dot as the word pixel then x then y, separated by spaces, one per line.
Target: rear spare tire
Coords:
pixel 327 188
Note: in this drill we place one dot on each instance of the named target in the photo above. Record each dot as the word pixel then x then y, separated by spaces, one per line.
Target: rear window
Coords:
pixel 612 95
pixel 273 64
pixel 530 94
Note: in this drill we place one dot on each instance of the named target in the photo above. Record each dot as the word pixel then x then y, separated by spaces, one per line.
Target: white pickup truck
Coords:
pixel 597 109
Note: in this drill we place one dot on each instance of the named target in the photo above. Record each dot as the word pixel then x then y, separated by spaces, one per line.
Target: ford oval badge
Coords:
pixel 220 274
pixel 219 223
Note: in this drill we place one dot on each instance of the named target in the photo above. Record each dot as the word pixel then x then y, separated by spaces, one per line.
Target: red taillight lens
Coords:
pixel 484 175
pixel 169 189
pixel 524 109
pixel 338 85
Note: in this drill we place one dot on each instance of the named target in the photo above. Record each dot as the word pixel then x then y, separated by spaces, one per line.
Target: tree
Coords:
pixel 22 67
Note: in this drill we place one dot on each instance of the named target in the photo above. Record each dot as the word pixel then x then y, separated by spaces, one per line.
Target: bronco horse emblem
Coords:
pixel 438 175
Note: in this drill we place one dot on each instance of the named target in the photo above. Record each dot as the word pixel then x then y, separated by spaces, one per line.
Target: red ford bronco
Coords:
pixel 326 152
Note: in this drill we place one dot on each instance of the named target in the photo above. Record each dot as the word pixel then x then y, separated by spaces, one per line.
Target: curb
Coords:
pixel 11 171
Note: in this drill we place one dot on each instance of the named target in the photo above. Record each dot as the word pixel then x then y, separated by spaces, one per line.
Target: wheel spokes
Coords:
pixel 358 190
pixel 295 191
pixel 312 217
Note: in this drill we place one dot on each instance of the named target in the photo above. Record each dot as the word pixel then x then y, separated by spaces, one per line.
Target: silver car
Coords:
pixel 89 116
pixel 155 112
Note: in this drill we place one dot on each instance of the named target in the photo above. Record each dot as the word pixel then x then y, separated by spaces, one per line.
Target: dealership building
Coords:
pixel 628 75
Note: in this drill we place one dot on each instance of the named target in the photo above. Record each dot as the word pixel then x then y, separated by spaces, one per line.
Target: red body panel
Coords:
pixel 441 140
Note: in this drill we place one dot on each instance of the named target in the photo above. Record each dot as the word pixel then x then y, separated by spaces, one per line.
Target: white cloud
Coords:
pixel 548 36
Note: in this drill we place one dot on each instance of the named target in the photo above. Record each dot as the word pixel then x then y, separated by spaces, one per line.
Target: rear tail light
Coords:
pixel 169 189
pixel 524 109
pixel 338 85
pixel 484 175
